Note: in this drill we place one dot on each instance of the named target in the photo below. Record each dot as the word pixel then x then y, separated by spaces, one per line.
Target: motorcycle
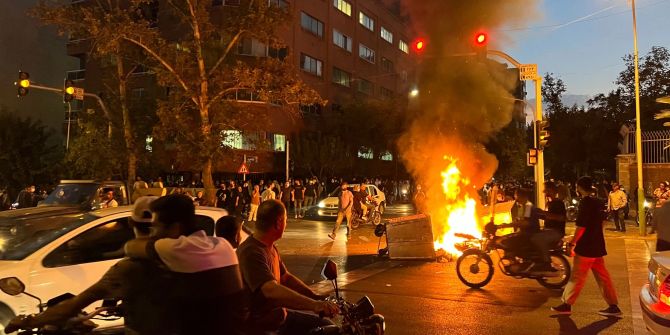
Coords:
pixel 475 266
pixel 649 205
pixel 374 216
pixel 80 324
pixel 357 319
pixel 572 210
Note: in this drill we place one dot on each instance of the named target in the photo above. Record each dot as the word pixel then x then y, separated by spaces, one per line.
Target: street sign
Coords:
pixel 528 71
pixel 243 169
pixel 531 157
pixel 78 93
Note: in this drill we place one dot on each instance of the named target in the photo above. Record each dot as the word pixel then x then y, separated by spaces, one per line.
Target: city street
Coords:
pixel 427 298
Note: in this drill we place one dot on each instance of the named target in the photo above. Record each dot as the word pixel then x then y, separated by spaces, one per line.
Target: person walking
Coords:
pixel 616 202
pixel 255 202
pixel 310 194
pixel 298 196
pixel 346 201
pixel 285 195
pixel 588 247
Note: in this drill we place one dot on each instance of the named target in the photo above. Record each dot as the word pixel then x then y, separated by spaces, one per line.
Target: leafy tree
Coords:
pixel 196 60
pixel 29 154
pixel 92 155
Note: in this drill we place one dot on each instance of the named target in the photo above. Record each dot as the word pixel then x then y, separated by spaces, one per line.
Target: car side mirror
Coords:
pixel 329 270
pixel 12 286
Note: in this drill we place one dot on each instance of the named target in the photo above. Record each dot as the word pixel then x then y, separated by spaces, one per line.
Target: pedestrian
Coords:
pixel 420 200
pixel 241 202
pixel 298 196
pixel 221 195
pixel 616 202
pixel 255 202
pixel 158 183
pixel 588 247
pixel 139 183
pixel 310 194
pixel 285 195
pixel 26 197
pixel 268 194
pixel 661 194
pixel 345 203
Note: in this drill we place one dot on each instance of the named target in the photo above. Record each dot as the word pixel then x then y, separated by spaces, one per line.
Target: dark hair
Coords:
pixel 175 209
pixel 229 228
pixel 585 182
pixel 268 213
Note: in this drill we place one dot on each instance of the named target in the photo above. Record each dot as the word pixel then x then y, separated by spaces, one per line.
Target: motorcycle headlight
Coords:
pixel 322 204
pixel 647 204
pixel 574 201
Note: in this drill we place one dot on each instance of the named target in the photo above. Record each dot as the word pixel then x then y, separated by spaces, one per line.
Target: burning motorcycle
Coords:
pixel 358 318
pixel 475 267
pixel 80 324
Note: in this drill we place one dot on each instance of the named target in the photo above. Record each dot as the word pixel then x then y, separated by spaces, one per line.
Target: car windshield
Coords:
pixel 19 238
pixel 72 195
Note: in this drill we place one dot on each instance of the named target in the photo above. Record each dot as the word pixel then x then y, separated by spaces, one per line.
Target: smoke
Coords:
pixel 463 100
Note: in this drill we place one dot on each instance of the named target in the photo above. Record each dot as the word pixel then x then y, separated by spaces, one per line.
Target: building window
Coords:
pixel 341 40
pixel 278 3
pixel 314 109
pixel 387 35
pixel 279 142
pixel 386 156
pixel 402 45
pixel 280 53
pixel 251 47
pixel 311 65
pixel 311 24
pixel 341 77
pixel 365 86
pixel 385 93
pixel 232 139
pixel 365 153
pixel 366 21
pixel 387 65
pixel 366 53
pixel 343 6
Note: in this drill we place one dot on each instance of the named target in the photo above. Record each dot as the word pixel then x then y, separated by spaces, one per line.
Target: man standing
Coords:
pixel 616 202
pixel 255 202
pixel 310 194
pixel 139 183
pixel 589 250
pixel 277 296
pixel 221 195
pixel 268 194
pixel 345 203
pixel 298 195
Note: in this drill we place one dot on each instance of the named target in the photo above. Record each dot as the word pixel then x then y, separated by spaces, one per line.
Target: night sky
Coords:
pixel 28 46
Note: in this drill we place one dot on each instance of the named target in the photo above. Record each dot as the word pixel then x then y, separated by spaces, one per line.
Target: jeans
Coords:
pixel 580 270
pixel 544 241
pixel 309 202
pixel 298 323
pixel 252 213
pixel 619 223
pixel 298 207
pixel 340 216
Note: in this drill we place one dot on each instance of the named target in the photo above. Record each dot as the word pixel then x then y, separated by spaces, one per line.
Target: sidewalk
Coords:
pixel 428 298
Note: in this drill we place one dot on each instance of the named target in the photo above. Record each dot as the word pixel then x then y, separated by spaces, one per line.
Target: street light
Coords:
pixel 414 93
pixel 638 130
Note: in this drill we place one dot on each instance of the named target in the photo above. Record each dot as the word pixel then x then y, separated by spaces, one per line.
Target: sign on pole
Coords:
pixel 531 157
pixel 78 93
pixel 528 71
pixel 243 169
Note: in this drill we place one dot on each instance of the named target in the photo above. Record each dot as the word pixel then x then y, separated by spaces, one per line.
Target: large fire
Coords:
pixel 461 212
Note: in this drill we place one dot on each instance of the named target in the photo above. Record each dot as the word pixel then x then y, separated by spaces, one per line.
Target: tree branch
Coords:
pixel 221 94
pixel 232 43
pixel 160 59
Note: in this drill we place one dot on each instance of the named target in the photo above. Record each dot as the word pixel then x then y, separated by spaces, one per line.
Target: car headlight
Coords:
pixel 647 204
pixel 322 204
pixel 404 191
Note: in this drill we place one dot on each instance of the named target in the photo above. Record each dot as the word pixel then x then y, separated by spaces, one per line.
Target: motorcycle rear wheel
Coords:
pixel 559 262
pixel 474 262
pixel 376 218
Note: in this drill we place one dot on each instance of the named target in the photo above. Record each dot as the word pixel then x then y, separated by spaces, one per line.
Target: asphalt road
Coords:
pixel 427 297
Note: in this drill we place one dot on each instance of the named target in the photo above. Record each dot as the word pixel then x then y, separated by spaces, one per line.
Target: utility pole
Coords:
pixel 638 133
pixel 287 159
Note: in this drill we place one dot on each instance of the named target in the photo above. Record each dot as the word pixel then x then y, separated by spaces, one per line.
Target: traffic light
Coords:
pixel 23 83
pixel 68 90
pixel 419 45
pixel 481 40
pixel 542 131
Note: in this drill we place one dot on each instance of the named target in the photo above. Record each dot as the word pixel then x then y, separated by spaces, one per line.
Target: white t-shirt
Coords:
pixel 196 252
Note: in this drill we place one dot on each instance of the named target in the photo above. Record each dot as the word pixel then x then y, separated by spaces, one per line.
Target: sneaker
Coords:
pixel 613 310
pixel 332 236
pixel 563 309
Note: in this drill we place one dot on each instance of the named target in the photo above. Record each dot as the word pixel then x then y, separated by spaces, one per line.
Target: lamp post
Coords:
pixel 638 132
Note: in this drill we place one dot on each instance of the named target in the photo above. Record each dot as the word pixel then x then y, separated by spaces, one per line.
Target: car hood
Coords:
pixel 330 200
pixel 37 212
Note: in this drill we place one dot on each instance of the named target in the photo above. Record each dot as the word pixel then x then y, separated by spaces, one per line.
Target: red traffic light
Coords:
pixel 419 45
pixel 481 39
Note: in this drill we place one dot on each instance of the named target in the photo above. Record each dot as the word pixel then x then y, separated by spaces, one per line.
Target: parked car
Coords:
pixel 655 295
pixel 328 207
pixel 55 250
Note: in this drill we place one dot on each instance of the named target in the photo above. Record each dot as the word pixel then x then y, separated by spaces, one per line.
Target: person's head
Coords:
pixel 140 218
pixel 256 188
pixel 522 195
pixel 239 188
pixel 108 194
pixel 297 182
pixel 173 216
pixel 31 188
pixel 138 178
pixel 222 185
pixel 615 186
pixel 363 187
pixel 357 188
pixel 287 184
pixel 198 194
pixel 344 186
pixel 662 185
pixel 271 219
pixel 550 189
pixel 585 186
pixel 229 227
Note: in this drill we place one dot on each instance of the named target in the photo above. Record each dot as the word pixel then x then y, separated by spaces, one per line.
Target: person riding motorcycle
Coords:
pixel 367 202
pixel 138 283
pixel 554 225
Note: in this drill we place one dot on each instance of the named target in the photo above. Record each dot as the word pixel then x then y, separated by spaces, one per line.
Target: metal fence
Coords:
pixel 655 144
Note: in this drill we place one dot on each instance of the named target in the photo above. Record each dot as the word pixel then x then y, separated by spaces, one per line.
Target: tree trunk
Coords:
pixel 208 181
pixel 127 124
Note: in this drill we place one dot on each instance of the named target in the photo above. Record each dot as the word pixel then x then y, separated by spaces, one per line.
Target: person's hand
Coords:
pixel 17 323
pixel 326 308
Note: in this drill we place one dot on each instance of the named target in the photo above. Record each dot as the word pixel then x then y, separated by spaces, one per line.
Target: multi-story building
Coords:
pixel 344 49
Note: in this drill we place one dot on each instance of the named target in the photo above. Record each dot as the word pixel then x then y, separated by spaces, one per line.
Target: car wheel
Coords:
pixel 6 315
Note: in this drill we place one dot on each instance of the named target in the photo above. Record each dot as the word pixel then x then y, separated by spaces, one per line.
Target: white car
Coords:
pixel 655 295
pixel 329 205
pixel 55 251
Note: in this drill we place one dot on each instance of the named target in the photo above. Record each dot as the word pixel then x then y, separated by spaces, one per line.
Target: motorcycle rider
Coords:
pixel 367 202
pixel 554 225
pixel 527 221
pixel 277 296
pixel 139 284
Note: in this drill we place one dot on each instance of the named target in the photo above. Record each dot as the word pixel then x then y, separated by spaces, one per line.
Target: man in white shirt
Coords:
pixel 108 200
pixel 616 202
